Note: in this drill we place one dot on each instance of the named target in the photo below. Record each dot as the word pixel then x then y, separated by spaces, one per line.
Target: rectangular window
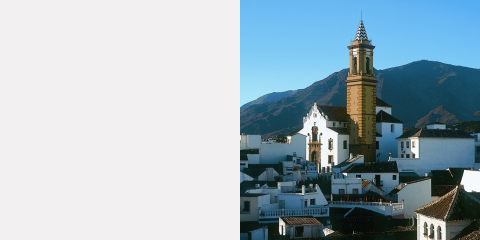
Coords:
pixel 246 206
pixel 378 144
pixel 312 201
pixel 394 177
pixel 408 144
pixel 345 144
pixel 355 191
pixel 401 144
pixel 408 155
pixel 391 128
pixel 413 155
pixel 341 191
pixel 344 124
pixel 330 144
pixel 359 176
pixel 334 124
pixel 330 158
pixel 413 144
pixel 402 156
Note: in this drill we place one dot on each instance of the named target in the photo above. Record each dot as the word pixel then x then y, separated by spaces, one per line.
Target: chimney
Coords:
pixel 426 174
pixel 351 155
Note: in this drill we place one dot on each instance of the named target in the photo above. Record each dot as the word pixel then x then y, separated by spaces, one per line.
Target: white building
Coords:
pixel 471 180
pixel 389 128
pixel 334 134
pixel 284 200
pixel 413 194
pixel 300 227
pixel 259 152
pixel 446 217
pixel 422 150
pixel 383 174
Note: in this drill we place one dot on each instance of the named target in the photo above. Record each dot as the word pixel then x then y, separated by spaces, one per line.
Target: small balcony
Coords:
pixel 387 209
pixel 275 213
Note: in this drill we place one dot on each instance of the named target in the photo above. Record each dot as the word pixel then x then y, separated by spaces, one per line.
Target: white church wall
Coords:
pixel 343 153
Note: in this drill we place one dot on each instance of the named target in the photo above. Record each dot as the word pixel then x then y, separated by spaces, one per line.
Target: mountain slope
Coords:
pixel 419 92
pixel 269 98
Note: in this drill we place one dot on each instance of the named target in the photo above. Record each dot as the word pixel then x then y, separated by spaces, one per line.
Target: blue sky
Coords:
pixel 288 45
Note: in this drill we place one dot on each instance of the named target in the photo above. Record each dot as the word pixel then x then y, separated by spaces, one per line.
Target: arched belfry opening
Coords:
pixel 367 64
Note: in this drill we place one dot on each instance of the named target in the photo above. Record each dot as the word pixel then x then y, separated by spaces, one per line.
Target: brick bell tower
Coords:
pixel 361 96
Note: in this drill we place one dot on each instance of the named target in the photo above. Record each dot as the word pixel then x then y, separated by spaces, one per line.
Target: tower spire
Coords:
pixel 361 33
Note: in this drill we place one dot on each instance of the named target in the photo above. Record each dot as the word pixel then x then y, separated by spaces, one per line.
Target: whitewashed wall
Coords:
pixel 388 141
pixel 255 202
pixel 348 184
pixel 277 152
pixel 388 183
pixel 245 177
pixel 440 154
pixel 415 195
pixel 421 219
pixel 471 180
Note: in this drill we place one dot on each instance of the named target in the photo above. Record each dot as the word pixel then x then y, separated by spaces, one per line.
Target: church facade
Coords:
pixel 334 133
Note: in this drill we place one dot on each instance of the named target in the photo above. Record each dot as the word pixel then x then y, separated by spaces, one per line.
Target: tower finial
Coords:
pixel 361 19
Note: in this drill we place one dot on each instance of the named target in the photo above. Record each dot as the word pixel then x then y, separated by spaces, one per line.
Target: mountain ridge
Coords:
pixel 414 90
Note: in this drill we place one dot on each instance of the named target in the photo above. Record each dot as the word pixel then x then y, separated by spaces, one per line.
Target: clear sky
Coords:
pixel 288 45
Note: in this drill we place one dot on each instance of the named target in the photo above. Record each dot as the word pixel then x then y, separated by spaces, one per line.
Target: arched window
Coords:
pixel 354 65
pixel 439 232
pixel 425 229
pixel 432 231
pixel 367 64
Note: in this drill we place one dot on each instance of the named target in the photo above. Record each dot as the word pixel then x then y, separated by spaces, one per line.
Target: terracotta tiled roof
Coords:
pixel 440 190
pixel 457 205
pixel 376 167
pixel 343 131
pixel 381 103
pixel 470 232
pixel 300 220
pixel 365 182
pixel 435 133
pixel 383 116
pixel 334 113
